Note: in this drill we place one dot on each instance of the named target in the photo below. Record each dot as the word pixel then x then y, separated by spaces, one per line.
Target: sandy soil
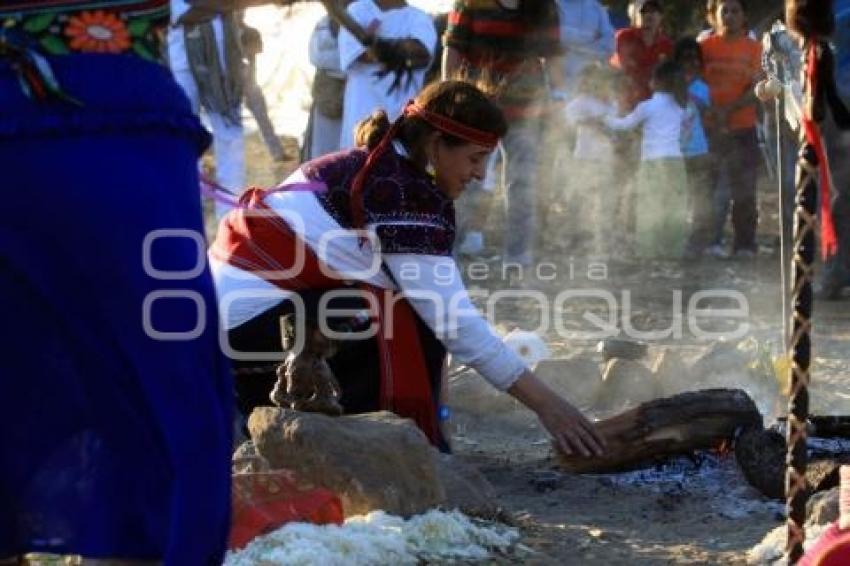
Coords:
pixel 686 511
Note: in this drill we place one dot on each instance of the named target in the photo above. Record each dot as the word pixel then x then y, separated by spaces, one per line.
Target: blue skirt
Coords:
pixel 116 399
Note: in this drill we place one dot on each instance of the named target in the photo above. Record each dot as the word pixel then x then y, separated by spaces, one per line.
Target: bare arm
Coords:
pixel 572 432
pixel 748 98
pixel 629 122
pixel 721 113
pixel 470 339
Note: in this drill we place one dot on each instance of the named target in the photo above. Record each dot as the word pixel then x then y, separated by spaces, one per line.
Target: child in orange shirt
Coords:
pixel 732 67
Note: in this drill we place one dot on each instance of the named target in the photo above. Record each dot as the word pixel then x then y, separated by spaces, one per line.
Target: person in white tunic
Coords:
pixel 323 131
pixel 219 96
pixel 364 90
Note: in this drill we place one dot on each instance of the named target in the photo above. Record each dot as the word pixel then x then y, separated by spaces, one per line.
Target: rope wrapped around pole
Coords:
pixel 813 21
pixel 799 349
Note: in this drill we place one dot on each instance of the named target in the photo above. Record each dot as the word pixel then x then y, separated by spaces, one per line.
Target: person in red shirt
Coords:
pixel 732 67
pixel 640 48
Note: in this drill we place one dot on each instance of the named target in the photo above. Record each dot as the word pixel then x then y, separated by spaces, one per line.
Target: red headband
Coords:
pixel 452 127
pixel 411 109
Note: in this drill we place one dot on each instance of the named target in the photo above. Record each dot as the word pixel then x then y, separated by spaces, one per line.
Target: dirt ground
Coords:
pixel 685 511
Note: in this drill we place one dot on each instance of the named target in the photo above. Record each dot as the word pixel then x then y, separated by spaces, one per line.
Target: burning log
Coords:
pixel 830 426
pixel 761 455
pixel 669 426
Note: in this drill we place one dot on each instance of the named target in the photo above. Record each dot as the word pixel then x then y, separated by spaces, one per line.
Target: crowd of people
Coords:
pixel 577 94
pixel 129 342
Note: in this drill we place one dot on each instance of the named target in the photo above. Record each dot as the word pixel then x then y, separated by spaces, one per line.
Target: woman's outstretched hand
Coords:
pixel 571 431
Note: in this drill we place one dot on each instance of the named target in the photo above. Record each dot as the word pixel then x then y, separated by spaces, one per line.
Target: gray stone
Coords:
pixel 372 461
pixel 672 375
pixel 720 357
pixel 466 488
pixel 613 348
pixel 822 508
pixel 246 460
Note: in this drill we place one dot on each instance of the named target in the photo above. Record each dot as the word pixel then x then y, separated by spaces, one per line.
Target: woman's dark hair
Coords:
pixel 461 101
pixel 635 7
pixel 668 77
pixel 686 46
pixel 810 18
pixel 712 5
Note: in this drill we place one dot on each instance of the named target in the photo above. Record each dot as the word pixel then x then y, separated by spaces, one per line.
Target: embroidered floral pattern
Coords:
pixel 98 32
pixel 408 212
pixel 134 26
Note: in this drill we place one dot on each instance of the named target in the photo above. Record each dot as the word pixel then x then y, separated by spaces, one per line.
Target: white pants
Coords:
pixel 228 142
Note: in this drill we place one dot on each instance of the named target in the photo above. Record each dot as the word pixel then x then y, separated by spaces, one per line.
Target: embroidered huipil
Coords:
pixel 62 27
pixel 406 210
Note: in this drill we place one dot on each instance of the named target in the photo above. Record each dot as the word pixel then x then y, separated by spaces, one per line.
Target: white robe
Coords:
pixel 228 138
pixel 324 54
pixel 364 93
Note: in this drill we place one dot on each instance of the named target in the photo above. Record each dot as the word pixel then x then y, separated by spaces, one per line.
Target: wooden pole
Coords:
pixel 799 349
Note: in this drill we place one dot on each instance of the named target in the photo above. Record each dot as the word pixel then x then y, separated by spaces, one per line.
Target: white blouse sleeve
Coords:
pixel 435 289
pixel 629 122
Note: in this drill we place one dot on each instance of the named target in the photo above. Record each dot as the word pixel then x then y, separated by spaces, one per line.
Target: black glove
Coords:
pixel 390 54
